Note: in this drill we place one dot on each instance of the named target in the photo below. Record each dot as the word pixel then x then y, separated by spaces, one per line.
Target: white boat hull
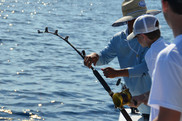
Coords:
pixel 134 117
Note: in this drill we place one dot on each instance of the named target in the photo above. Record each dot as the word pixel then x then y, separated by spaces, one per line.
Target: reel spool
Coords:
pixel 122 98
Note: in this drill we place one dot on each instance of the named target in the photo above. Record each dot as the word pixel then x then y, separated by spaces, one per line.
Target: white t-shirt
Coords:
pixel 166 90
pixel 150 59
pixel 152 53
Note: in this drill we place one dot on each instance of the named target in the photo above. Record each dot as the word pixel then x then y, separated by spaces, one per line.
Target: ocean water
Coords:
pixel 41 76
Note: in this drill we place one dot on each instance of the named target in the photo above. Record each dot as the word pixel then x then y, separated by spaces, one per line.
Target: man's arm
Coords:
pixel 138 70
pixel 143 98
pixel 166 114
pixel 104 56
pixel 112 73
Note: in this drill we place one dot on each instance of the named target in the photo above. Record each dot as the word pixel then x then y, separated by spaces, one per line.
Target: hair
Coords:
pixel 155 34
pixel 176 6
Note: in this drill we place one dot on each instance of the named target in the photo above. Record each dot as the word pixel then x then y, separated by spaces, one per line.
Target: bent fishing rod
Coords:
pixel 125 95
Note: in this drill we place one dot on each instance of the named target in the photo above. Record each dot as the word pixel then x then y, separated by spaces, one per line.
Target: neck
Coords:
pixel 177 31
pixel 176 24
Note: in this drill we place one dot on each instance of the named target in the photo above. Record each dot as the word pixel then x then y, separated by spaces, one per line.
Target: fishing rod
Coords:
pixel 119 99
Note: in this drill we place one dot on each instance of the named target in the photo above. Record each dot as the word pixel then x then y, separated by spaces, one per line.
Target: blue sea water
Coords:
pixel 41 76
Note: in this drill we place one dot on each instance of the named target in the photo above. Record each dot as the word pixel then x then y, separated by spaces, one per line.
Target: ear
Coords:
pixel 143 36
pixel 164 6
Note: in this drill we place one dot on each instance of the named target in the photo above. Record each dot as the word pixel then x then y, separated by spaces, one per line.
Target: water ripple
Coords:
pixel 42 77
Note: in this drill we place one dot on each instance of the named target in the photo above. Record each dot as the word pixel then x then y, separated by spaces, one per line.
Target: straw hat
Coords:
pixel 131 9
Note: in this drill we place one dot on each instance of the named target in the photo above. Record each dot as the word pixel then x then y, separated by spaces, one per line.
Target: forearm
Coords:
pixel 145 97
pixel 112 73
pixel 166 114
pixel 104 58
pixel 138 70
pixel 108 53
pixel 138 100
pixel 122 73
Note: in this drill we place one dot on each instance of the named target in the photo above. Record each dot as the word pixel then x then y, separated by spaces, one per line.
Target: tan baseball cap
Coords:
pixel 131 9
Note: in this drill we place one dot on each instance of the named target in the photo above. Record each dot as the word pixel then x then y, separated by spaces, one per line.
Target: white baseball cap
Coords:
pixel 143 24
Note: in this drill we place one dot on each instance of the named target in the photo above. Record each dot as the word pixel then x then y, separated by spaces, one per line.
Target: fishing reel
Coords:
pixel 122 98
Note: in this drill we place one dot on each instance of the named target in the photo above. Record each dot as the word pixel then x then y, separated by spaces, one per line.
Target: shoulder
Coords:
pixel 161 43
pixel 166 52
pixel 120 35
pixel 170 55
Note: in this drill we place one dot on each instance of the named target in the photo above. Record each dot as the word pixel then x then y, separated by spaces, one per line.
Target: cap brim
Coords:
pixel 123 20
pixel 131 36
pixel 153 12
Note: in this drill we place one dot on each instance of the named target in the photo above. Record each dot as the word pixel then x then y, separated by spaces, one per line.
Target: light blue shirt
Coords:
pixel 130 55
